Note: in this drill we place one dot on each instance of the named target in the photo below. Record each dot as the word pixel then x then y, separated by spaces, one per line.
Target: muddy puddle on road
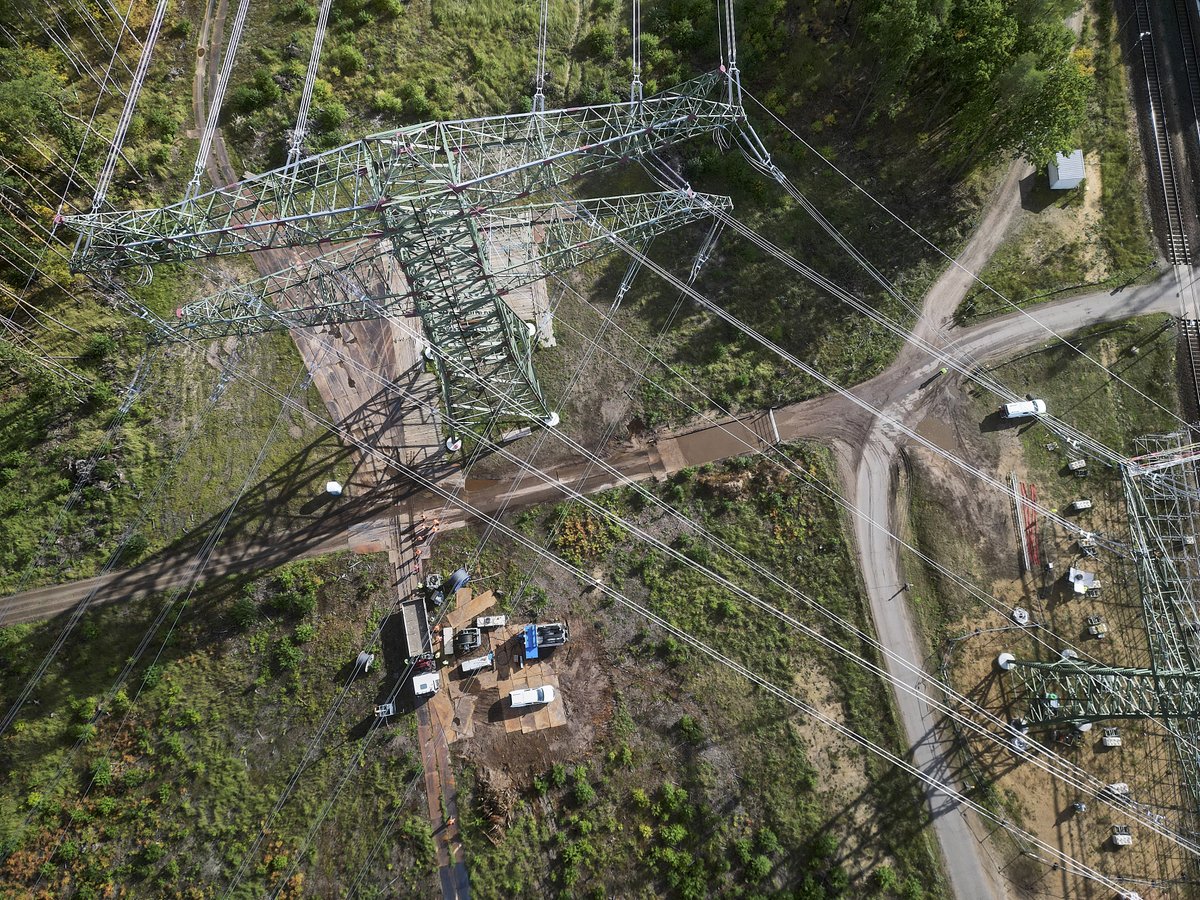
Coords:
pixel 940 433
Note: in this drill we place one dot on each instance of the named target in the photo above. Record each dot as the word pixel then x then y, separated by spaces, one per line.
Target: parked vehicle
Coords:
pixel 532 696
pixel 1023 408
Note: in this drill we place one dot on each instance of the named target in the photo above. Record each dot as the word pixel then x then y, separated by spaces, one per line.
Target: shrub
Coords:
pixel 85 732
pixel 244 612
pixel 135 546
pixel 305 632
pixel 347 59
pixel 287 655
pixel 673 834
pixel 299 11
pixel 295 591
pixel 558 775
pixel 690 730
pixel 768 842
pixel 758 868
pixel 102 773
pixel 173 744
pixel 599 42
pixel 242 100
pixel 330 116
pixel 583 792
pixel 99 347
pixel 153 675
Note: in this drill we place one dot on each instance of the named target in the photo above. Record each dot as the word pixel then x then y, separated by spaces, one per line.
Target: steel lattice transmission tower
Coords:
pixel 1162 497
pixel 404 219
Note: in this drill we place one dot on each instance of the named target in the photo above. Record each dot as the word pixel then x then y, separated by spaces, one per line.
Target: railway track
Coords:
pixel 1188 368
pixel 1176 237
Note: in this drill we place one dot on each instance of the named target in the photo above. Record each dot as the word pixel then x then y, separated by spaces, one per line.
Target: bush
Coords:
pixel 558 775
pixel 347 59
pixel 99 347
pixel 299 11
pixel 242 100
pixel 153 675
pixel 102 773
pixel 673 834
pixel 583 792
pixel 173 745
pixel 287 655
pixel 758 868
pixel 330 116
pixel 135 546
pixel 295 591
pixel 690 730
pixel 305 632
pixel 244 612
pixel 599 42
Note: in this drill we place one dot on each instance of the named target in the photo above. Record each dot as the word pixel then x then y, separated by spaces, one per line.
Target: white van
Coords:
pixel 1023 408
pixel 532 696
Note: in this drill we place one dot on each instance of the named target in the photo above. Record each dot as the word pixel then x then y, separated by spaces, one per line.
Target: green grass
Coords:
pixel 1124 231
pixel 702 784
pixel 191 754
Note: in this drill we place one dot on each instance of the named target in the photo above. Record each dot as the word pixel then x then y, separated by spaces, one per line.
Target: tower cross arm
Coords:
pixel 342 194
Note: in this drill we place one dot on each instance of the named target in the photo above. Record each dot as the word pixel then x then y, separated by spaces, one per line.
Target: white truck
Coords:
pixel 532 696
pixel 426 683
pixel 1023 408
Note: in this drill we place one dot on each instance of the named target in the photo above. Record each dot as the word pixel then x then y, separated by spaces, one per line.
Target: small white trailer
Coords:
pixel 478 664
pixel 491 621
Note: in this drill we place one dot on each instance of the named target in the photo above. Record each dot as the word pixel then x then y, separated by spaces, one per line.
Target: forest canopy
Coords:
pixel 999 76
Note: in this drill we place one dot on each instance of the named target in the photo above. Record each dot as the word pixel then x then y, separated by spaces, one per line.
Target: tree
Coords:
pixel 979 40
pixel 1041 110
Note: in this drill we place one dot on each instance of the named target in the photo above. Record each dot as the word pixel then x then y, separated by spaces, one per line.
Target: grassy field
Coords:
pixel 164 790
pixel 1062 241
pixel 700 784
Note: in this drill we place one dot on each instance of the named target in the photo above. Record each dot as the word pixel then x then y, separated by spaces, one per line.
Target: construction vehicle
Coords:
pixel 1081 504
pixel 531 696
pixel 1023 408
pixel 491 621
pixel 426 679
pixel 1078 468
pixel 1111 737
pixel 467 639
pixel 1121 836
pixel 1097 627
pixel 539 637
